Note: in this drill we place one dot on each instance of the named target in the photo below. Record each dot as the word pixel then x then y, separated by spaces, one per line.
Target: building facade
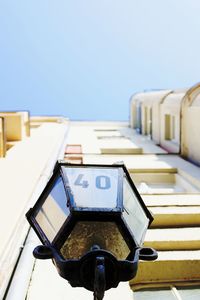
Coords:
pixel 167 177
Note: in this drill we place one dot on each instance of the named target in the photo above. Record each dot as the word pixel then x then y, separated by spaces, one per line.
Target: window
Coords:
pixel 74 159
pixel 170 127
pixel 145 120
pixel 73 154
pixel 73 149
pixel 150 121
pixel 170 293
pixel 107 133
pixel 147 129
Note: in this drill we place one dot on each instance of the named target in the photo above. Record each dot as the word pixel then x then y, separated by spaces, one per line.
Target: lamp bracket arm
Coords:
pixel 99 279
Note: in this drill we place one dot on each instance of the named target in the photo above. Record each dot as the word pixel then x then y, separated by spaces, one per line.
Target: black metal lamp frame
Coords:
pixel 98 270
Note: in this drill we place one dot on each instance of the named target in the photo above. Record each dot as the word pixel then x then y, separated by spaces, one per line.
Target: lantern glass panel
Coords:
pixel 133 213
pixel 54 210
pixel 93 187
pixel 86 234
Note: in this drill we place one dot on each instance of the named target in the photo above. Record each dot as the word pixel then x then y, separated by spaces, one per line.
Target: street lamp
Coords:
pixel 91 221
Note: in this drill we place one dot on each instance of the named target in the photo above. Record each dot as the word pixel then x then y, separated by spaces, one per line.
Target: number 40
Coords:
pixel 102 182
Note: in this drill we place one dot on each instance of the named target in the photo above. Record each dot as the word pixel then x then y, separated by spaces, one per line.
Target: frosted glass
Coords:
pixel 54 211
pixel 93 187
pixel 133 213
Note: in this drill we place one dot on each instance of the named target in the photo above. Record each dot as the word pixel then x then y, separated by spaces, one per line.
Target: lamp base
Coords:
pixel 98 270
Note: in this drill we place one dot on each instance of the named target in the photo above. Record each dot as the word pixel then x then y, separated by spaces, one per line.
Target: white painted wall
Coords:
pixel 23 175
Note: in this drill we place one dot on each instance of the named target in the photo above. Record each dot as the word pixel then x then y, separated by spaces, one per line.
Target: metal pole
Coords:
pixel 99 279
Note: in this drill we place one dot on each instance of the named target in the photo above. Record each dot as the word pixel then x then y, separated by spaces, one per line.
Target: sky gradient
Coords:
pixel 84 59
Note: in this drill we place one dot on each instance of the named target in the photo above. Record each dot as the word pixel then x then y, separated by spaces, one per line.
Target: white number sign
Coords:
pixel 94 187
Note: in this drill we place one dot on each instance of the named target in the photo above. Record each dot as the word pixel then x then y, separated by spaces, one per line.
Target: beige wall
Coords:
pixel 159 98
pixel 190 125
pixel 135 104
pixel 132 112
pixel 26 165
pixel 191 134
pixel 175 261
pixel 150 112
pixel 170 118
pixel 17 125
pixel 170 122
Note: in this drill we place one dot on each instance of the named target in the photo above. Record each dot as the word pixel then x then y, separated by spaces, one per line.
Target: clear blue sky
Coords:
pixel 84 58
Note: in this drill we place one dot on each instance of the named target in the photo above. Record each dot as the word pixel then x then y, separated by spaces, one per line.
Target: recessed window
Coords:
pixel 169 293
pixel 170 124
pixel 73 149
pixel 73 154
pixel 101 133
pixel 118 145
pixel 152 294
pixel 73 159
pixel 147 129
pixel 145 120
